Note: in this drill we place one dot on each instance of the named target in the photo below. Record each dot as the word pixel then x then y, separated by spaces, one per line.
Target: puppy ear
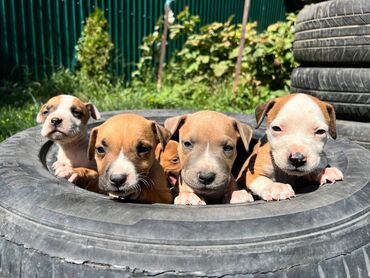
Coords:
pixel 40 118
pixel 261 111
pixel 162 133
pixel 245 133
pixel 158 152
pixel 329 114
pixel 332 120
pixel 93 111
pixel 174 123
pixel 92 141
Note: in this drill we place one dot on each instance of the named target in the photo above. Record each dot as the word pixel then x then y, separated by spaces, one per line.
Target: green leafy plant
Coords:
pixel 266 67
pixel 183 25
pixel 270 58
pixel 208 59
pixel 211 54
pixel 93 49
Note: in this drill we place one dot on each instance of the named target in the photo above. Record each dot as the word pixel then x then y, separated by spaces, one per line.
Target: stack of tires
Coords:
pixel 332 44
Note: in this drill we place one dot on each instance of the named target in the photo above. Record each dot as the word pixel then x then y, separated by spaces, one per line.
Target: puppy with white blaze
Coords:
pixel 291 152
pixel 207 150
pixel 123 148
pixel 64 120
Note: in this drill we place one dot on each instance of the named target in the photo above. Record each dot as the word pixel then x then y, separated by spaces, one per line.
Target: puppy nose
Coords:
pixel 297 159
pixel 56 121
pixel 206 177
pixel 118 179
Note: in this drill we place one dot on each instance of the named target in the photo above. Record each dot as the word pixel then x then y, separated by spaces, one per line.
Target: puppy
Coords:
pixel 207 150
pixel 297 129
pixel 64 119
pixel 170 162
pixel 123 148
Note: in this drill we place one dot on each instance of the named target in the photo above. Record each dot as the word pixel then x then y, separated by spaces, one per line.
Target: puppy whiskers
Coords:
pixel 143 178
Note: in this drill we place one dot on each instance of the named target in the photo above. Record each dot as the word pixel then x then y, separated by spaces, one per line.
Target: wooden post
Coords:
pixel 163 47
pixel 241 46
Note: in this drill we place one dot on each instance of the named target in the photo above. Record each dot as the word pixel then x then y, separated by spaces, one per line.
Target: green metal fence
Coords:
pixel 39 36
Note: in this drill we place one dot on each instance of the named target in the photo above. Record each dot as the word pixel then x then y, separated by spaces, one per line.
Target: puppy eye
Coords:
pixel 76 113
pixel 276 128
pixel 142 149
pixel 228 148
pixel 188 145
pixel 175 160
pixel 45 112
pixel 320 131
pixel 100 150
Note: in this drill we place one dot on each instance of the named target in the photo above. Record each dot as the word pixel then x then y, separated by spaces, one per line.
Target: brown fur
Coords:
pixel 70 163
pixel 169 160
pixel 260 163
pixel 210 130
pixel 123 133
pixel 273 107
pixel 85 108
pixel 256 163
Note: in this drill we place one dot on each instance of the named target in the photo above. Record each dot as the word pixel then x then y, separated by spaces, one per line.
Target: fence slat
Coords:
pixel 38 36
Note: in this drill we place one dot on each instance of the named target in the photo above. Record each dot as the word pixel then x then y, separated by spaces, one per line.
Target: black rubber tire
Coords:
pixel 356 132
pixel 50 228
pixel 333 32
pixel 347 89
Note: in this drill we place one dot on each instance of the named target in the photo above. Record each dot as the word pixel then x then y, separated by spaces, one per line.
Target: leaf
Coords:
pixel 199 78
pixel 191 68
pixel 220 68
pixel 258 53
pixel 234 53
pixel 204 59
pixel 144 47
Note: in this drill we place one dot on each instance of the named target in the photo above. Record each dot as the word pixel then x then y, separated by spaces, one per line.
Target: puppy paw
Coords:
pixel 73 178
pixel 277 191
pixel 64 171
pixel 188 199
pixel 57 164
pixel 240 196
pixel 330 174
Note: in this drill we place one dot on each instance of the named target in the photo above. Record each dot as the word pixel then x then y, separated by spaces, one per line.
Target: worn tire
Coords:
pixel 333 32
pixel 356 132
pixel 347 89
pixel 50 228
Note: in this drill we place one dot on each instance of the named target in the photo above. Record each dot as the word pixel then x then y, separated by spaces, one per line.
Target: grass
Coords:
pixel 199 78
pixel 20 102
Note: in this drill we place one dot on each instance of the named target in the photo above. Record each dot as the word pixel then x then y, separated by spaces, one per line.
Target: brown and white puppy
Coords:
pixel 297 129
pixel 123 148
pixel 64 119
pixel 207 150
pixel 169 160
